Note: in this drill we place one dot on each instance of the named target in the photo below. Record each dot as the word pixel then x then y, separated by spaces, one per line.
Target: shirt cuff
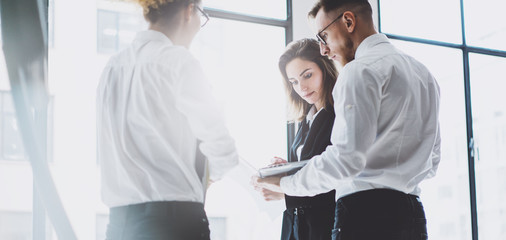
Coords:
pixel 286 185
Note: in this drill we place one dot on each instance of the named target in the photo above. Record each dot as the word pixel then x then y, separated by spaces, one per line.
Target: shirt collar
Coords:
pixel 311 115
pixel 370 42
pixel 152 35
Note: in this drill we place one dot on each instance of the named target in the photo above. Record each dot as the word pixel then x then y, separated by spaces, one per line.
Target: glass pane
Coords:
pixel 11 141
pixel 107 31
pixel 15 225
pixel 77 28
pixel 12 144
pixel 446 196
pixel 116 30
pixel 129 25
pixel 262 8
pixel 8 101
pixel 252 96
pixel 422 19
pixel 489 124
pixel 489 34
pixel 101 222
pixel 218 228
pixel 247 82
pixel 4 78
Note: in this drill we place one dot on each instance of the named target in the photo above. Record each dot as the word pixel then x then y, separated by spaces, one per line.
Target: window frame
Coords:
pixel 287 24
pixel 39 219
pixel 466 50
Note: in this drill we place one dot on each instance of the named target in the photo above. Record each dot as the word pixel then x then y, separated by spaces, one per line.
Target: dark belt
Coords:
pixel 160 207
pixel 379 205
pixel 299 210
pixel 320 200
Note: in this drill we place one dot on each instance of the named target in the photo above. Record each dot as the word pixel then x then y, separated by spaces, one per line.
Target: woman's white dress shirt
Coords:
pixel 153 103
pixel 386 130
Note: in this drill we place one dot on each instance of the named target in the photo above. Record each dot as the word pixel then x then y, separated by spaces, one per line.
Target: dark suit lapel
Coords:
pixel 318 137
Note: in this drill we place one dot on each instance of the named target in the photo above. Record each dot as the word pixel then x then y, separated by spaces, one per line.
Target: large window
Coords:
pixel 242 64
pixel 238 49
pixel 467 198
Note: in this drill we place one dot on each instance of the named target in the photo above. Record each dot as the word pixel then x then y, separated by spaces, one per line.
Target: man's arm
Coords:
pixel 357 98
pixel 196 101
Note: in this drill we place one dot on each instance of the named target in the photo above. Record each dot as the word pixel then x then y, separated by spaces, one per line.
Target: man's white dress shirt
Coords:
pixel 386 130
pixel 153 104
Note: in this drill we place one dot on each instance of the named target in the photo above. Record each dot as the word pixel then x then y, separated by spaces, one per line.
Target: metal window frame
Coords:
pixel 466 50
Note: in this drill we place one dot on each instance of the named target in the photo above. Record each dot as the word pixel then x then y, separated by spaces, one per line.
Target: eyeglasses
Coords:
pixel 204 18
pixel 319 36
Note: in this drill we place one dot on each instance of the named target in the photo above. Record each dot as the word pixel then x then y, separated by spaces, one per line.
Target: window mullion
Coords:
pixel 469 126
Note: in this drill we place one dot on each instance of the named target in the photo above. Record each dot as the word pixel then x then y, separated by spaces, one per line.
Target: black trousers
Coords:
pixel 313 223
pixel 379 214
pixel 158 221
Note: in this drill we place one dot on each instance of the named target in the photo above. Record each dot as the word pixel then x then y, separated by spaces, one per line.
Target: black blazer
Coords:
pixel 315 140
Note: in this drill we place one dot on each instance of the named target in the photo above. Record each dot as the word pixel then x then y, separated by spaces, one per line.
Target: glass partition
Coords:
pixel 489 125
pixel 429 19
pixel 262 8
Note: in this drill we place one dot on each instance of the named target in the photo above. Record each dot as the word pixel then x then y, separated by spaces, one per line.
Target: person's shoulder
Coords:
pixel 378 55
pixel 121 56
pixel 175 52
pixel 358 67
pixel 361 73
pixel 378 61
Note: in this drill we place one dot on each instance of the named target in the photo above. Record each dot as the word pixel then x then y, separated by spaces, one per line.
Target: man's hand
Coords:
pixel 269 183
pixel 270 195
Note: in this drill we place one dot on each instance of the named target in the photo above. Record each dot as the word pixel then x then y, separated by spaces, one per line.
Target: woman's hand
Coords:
pixel 277 160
